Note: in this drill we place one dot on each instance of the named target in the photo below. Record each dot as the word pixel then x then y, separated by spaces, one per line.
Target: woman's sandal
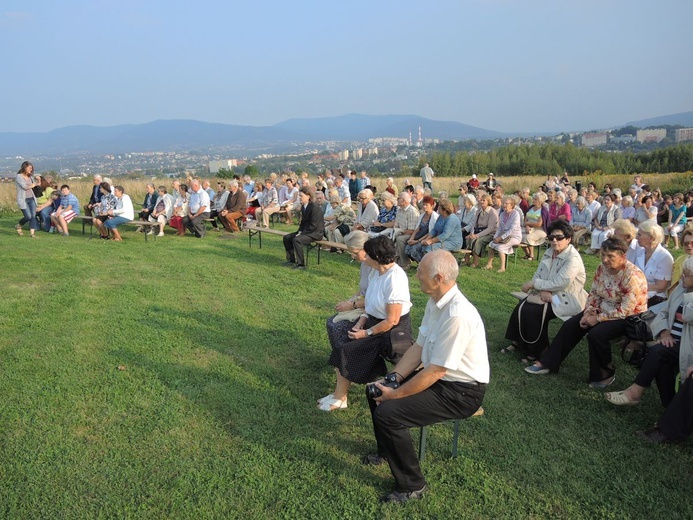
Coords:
pixel 509 348
pixel 620 399
pixel 19 230
pixel 323 399
pixel 332 404
pixel 530 258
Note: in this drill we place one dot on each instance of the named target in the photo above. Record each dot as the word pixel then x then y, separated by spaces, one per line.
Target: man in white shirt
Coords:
pixel 452 348
pixel 405 225
pixel 198 209
pixel 342 189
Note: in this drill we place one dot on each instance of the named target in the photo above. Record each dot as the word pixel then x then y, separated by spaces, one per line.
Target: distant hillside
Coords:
pixel 683 118
pixel 360 127
pixel 157 135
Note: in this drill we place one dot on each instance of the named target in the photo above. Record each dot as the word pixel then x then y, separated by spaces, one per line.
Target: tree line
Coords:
pixel 553 159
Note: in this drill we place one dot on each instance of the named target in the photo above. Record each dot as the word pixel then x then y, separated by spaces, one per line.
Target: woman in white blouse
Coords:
pixel 653 260
pixel 122 213
pixel 385 325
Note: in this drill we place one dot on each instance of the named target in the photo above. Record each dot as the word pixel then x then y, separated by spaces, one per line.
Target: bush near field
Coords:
pixel 667 182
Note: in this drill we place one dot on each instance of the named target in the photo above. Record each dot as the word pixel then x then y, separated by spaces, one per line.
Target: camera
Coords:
pixel 373 391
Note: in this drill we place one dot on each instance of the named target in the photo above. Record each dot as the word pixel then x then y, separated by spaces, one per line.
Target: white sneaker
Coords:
pixel 160 234
pixel 150 232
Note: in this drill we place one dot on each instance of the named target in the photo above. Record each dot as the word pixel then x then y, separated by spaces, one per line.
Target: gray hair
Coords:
pixel 443 263
pixel 356 239
pixel 405 196
pixel 654 230
pixel 470 198
pixel 581 200
pixel 233 184
pixel 386 195
pixel 687 264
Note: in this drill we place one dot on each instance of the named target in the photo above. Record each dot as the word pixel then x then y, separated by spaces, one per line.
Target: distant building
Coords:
pixel 215 166
pixel 344 155
pixel 373 151
pixel 652 135
pixel 591 139
pixel 684 134
pixel 625 138
pixel 357 154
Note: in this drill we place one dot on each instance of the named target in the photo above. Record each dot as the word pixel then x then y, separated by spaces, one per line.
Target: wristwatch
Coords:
pixel 369 332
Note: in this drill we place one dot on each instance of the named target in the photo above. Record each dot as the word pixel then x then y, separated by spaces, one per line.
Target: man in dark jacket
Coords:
pixel 234 208
pixel 312 228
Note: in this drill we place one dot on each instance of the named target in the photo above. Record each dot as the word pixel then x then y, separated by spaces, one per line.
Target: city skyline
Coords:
pixel 507 66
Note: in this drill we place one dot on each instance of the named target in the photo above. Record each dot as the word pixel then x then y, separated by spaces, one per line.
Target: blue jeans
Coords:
pixel 29 214
pixel 45 215
pixel 114 222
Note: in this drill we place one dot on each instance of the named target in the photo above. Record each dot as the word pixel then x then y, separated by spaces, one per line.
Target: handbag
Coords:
pixel 637 328
pixel 343 229
pixel 529 297
pixel 519 318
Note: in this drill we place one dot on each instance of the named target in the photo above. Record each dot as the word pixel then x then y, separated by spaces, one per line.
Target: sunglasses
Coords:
pixel 557 238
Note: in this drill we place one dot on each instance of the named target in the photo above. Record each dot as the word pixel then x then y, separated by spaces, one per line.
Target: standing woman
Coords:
pixel 26 199
pixel 123 212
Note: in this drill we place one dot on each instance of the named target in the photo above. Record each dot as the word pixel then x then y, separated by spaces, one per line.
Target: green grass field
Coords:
pixel 213 415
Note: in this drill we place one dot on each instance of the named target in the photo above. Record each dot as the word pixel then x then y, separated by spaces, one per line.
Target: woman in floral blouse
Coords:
pixel 619 290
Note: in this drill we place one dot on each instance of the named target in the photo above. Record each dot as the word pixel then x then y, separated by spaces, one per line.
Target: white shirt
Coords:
pixel 659 267
pixel 197 200
pixel 452 336
pixel 390 287
pixel 124 208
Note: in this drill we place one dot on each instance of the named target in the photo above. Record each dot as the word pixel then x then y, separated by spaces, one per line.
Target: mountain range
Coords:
pixel 171 135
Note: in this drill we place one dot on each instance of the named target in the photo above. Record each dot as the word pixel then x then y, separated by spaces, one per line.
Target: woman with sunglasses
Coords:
pixel 561 273
pixel 619 290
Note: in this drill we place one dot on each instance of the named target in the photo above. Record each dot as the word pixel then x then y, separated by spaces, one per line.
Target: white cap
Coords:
pixel 473 175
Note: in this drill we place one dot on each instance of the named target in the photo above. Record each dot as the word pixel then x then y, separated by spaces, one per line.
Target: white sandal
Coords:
pixel 323 399
pixel 333 404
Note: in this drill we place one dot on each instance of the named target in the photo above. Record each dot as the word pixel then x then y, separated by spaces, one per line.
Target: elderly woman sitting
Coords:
pixel 484 229
pixel 655 261
pixel 162 210
pixel 122 213
pixel 359 353
pixel 672 327
pixel 582 220
pixel 559 209
pixel 601 226
pixel 467 215
pixel 447 232
pixel 558 283
pixel 507 234
pixel 536 222
pixel 385 223
pixel 625 230
pixel 342 217
pixel 427 222
pixel 619 290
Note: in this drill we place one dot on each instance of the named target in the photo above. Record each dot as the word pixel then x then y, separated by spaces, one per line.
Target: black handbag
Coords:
pixel 637 328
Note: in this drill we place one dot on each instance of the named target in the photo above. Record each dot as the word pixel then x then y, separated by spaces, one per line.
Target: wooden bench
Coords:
pixel 86 220
pixel 253 230
pixel 143 224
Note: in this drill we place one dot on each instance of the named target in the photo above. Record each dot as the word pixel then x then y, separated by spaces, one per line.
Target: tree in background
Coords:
pixel 225 173
pixel 251 170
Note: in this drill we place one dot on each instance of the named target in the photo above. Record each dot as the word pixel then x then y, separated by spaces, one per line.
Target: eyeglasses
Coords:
pixel 557 238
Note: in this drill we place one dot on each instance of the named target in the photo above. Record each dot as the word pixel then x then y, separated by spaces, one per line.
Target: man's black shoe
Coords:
pixel 301 267
pixel 402 497
pixel 654 435
pixel 289 264
pixel 373 459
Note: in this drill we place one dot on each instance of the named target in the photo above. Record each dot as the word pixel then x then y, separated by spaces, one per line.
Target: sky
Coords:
pixel 504 65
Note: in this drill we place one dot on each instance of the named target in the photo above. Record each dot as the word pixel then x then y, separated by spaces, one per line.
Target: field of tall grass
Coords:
pixel 667 182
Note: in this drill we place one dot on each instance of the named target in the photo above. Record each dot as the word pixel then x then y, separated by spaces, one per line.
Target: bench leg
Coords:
pixel 422 443
pixel 456 434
